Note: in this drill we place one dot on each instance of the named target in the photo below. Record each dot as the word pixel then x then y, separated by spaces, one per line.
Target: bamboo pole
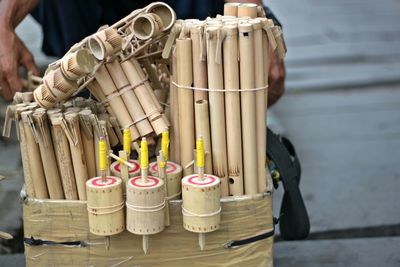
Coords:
pixel 50 168
pixel 199 62
pixel 248 108
pixel 35 160
pixel 174 102
pixel 88 141
pixel 232 110
pixel 217 108
pixel 203 129
pixel 61 146
pixel 185 99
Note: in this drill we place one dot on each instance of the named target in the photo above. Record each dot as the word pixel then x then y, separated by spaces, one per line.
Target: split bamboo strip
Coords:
pixel 88 141
pixel 248 108
pixel 203 130
pixel 112 136
pixel 199 62
pixel 217 108
pixel 232 110
pixel 49 161
pixel 185 99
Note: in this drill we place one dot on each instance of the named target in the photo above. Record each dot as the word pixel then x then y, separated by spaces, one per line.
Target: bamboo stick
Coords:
pixel 232 110
pixel 35 160
pixel 112 136
pixel 248 108
pixel 199 62
pixel 50 168
pixel 174 102
pixel 217 108
pixel 185 98
pixel 88 141
pixel 203 129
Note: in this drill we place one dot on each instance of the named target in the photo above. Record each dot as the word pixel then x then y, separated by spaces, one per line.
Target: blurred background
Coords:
pixel 342 112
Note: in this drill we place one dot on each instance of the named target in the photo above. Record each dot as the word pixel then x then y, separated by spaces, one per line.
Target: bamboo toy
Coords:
pixel 202 120
pixel 260 81
pixel 231 9
pixel 73 133
pixel 105 203
pixel 132 103
pixel 77 64
pixel 201 194
pixel 35 160
pixel 49 161
pixel 185 99
pixel 232 110
pixel 145 201
pixel 115 101
pixel 247 10
pixel 88 141
pixel 248 108
pixel 217 107
pixel 105 43
pixel 199 62
pixel 145 95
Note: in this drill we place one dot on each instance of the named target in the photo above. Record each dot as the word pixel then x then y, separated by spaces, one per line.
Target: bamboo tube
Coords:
pixel 77 64
pixel 87 141
pixel 232 110
pixel 174 103
pixel 247 10
pixel 248 108
pixel 203 129
pixel 116 102
pixel 61 146
pixel 105 43
pixel 185 98
pixel 145 95
pixel 231 9
pixel 50 168
pixel 146 26
pixel 217 109
pixel 29 184
pixel 117 130
pixel 153 77
pixel 165 12
pixel 260 105
pixel 35 161
pixel 199 62
pixel 132 103
pixel 77 153
pixel 95 89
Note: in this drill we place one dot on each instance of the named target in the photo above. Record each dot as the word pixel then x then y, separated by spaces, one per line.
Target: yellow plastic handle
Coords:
pixel 200 153
pixel 102 154
pixel 144 154
pixel 165 144
pixel 127 141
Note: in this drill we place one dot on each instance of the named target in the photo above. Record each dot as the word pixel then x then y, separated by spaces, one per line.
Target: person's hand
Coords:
pixel 13 53
pixel 276 79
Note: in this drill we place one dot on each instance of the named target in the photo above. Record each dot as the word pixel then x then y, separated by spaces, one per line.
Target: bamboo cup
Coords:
pixel 165 12
pixel 105 43
pixel 185 98
pixel 174 131
pixel 49 161
pixel 35 160
pixel 231 9
pixel 232 110
pixel 260 81
pixel 73 133
pixel 145 95
pixel 248 108
pixel 247 10
pixel 77 64
pixel 61 146
pixel 146 26
pixel 199 62
pixel 202 120
pixel 132 103
pixel 115 101
pixel 29 184
pixel 86 127
pixel 217 108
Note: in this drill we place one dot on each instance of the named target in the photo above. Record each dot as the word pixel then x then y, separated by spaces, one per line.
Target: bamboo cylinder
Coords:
pixel 95 89
pixel 260 105
pixel 35 160
pixel 199 62
pixel 61 146
pixel 165 12
pixel 232 110
pixel 88 141
pixel 217 110
pixel 185 98
pixel 128 96
pixel 105 43
pixel 266 58
pixel 202 120
pixel 201 203
pixel 77 64
pixel 115 169
pixel 115 101
pixel 145 204
pixel 247 10
pixel 105 205
pixel 174 102
pixel 145 95
pixel 77 153
pixel 231 9
pixel 53 179
pixel 60 87
pixel 174 176
pixel 248 108
pixel 146 26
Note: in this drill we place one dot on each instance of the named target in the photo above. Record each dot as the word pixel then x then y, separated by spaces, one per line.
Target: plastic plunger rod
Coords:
pixel 162 170
pixel 127 142
pixel 165 144
pixel 200 169
pixel 144 166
